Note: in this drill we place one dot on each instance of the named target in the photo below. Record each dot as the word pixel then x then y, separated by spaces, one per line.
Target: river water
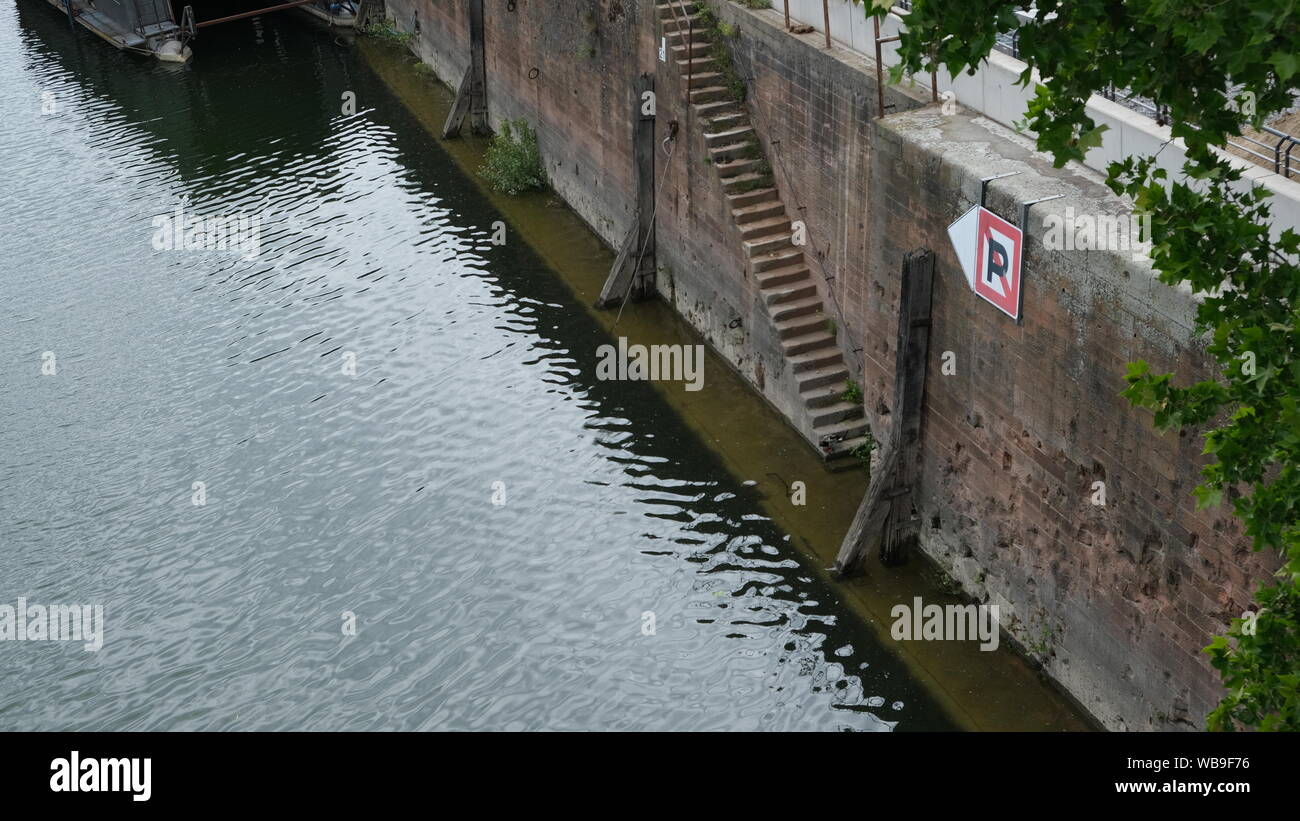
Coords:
pixel 383 420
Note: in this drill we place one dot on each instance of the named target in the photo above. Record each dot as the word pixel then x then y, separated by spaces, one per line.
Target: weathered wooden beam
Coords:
pixel 368 11
pixel 459 108
pixel 909 397
pixel 884 518
pixel 643 153
pixel 471 95
pixel 616 284
pixel 868 523
pixel 632 275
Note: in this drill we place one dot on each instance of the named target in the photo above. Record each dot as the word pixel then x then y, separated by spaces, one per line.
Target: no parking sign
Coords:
pixel 988 248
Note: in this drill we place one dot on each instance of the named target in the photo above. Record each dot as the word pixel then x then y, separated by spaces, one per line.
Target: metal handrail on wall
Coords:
pixel 1278 151
pixel 899 8
pixel 826 19
pixel 880 69
pixel 1281 161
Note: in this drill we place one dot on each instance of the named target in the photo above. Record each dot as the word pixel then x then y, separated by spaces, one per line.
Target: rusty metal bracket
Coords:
pixel 984 185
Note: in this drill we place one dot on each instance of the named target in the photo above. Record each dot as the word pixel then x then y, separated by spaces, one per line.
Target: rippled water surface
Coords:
pixel 327 492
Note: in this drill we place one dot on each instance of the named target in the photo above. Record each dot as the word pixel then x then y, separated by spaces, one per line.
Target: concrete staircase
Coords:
pixel 765 232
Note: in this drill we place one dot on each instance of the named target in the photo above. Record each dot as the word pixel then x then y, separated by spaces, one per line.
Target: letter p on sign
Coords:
pixel 988 248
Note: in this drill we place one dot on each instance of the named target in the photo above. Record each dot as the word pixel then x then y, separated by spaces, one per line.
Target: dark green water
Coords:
pixel 372 493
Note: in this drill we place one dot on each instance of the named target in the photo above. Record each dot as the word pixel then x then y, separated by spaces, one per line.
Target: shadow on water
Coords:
pixel 271 87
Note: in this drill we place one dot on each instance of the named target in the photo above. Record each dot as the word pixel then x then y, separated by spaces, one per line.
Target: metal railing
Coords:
pixel 1276 152
pixel 826 19
pixel 880 70
pixel 1280 159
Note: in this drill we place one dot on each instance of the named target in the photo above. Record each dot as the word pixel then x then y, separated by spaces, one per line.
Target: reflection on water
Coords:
pixel 330 493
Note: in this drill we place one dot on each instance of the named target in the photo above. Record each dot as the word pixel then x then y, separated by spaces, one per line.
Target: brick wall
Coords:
pixel 566 66
pixel 1116 600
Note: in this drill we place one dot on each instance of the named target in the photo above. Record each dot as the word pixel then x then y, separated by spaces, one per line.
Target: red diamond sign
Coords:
pixel 988 248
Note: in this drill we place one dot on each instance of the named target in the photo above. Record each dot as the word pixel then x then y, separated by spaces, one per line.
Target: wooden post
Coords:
pixel 616 283
pixel 787 15
pixel 826 18
pixel 643 151
pixel 909 396
pixel 885 516
pixel 367 11
pixel 471 96
pixel 634 268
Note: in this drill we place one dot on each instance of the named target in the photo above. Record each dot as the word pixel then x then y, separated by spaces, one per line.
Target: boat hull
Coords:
pixel 120 25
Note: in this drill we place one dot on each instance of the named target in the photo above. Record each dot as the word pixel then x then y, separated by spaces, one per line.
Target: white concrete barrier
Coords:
pixel 994 92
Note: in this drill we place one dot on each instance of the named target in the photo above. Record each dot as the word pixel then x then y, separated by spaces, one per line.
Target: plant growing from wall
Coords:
pixel 513 163
pixel 863 451
pixel 1217 67
pixel 765 179
pixel 386 31
pixel 852 392
pixel 719 33
pixel 1042 646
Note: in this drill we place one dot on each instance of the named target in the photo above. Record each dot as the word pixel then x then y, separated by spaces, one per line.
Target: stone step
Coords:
pixel 755 229
pixel 745 199
pixel 680 21
pixel 710 94
pixel 788 292
pixel 758 211
pixel 823 396
pixel 839 454
pixel 815 359
pixel 839 433
pixel 784 258
pixel 796 307
pixel 718 109
pixel 677 11
pixel 697 65
pixel 704 79
pixel 725 120
pixel 807 343
pixel 781 276
pixel 668 6
pixel 784 274
pixel 681 50
pixel 799 325
pixel 739 148
pixel 728 136
pixel 762 247
pixel 738 184
pixel 677 35
pixel 736 167
pixel 828 375
pixel 840 411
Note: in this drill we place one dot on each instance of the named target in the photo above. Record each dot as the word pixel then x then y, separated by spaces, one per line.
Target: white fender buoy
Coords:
pixel 173 52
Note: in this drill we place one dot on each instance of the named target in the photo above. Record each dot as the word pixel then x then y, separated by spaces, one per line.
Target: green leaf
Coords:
pixel 1285 63
pixel 1207 497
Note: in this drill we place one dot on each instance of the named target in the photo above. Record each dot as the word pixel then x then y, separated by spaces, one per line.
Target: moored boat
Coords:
pixel 140 26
